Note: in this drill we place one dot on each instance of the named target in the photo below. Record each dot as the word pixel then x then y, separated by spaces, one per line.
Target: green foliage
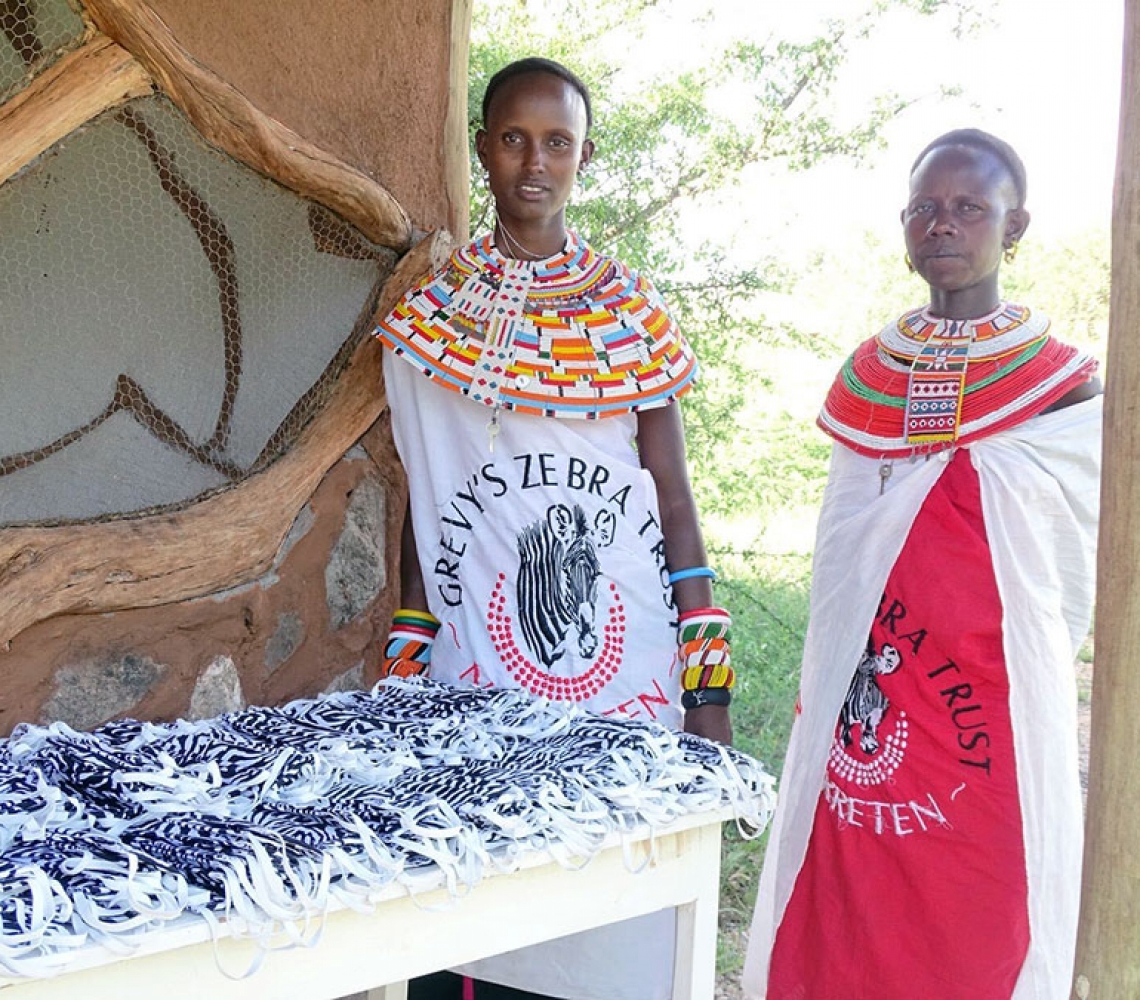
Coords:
pixel 1069 282
pixel 767 596
pixel 672 135
pixel 860 289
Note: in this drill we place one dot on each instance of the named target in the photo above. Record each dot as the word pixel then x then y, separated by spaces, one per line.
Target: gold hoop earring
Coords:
pixel 1010 253
pixel 909 263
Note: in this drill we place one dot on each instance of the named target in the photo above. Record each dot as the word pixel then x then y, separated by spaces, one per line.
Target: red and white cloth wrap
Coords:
pixel 905 845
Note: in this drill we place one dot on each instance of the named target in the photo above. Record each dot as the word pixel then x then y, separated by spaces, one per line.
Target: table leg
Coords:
pixel 694 962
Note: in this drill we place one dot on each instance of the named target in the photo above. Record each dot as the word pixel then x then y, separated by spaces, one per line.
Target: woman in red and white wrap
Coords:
pixel 927 841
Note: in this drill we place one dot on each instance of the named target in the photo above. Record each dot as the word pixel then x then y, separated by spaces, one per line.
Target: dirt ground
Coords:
pixel 728 987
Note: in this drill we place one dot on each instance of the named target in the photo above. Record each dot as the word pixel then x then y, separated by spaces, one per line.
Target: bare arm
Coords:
pixel 661 447
pixel 407 650
pixel 1077 394
pixel 412 592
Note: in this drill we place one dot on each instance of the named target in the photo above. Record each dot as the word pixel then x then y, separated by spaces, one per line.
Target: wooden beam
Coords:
pixel 456 142
pixel 84 83
pixel 228 120
pixel 225 540
pixel 1108 943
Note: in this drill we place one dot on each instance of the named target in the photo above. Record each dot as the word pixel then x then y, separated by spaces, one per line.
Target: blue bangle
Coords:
pixel 686 574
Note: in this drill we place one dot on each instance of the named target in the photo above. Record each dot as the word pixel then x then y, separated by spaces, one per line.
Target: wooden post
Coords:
pixel 456 141
pixel 1108 943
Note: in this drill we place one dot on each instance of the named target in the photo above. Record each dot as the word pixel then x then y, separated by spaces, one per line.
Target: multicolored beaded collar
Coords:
pixel 927 383
pixel 574 335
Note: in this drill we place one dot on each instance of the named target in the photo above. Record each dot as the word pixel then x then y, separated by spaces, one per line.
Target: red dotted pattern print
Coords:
pixel 537 681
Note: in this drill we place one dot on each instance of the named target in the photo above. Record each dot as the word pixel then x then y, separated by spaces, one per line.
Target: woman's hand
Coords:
pixel 710 721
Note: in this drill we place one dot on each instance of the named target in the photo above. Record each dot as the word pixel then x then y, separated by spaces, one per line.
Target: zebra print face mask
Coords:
pixel 268 816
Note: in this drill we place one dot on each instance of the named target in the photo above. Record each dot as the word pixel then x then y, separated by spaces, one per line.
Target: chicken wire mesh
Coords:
pixel 32 34
pixel 171 319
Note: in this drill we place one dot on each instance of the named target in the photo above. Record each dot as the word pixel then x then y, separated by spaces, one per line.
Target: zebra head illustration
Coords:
pixel 866 705
pixel 558 579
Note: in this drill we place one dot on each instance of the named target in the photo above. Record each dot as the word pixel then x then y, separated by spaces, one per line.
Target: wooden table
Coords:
pixel 378 952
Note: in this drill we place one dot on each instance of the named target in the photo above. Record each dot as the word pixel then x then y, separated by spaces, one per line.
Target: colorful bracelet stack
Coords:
pixel 410 639
pixel 704 637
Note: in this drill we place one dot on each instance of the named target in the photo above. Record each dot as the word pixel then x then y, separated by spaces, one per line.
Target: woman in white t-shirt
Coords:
pixel 552 541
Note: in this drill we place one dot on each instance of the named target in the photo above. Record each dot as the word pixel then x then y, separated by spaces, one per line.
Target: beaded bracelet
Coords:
pixel 692 571
pixel 408 649
pixel 416 619
pixel 704 623
pixel 704 650
pixel 705 696
pixel 719 676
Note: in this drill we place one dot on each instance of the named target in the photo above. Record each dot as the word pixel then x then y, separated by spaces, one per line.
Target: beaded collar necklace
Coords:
pixel 937 382
pixel 926 383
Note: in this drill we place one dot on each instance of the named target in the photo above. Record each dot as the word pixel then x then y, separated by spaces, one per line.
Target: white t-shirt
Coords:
pixel 543 559
pixel 541 553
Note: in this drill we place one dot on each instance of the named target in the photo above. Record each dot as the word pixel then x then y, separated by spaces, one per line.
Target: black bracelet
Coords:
pixel 705 696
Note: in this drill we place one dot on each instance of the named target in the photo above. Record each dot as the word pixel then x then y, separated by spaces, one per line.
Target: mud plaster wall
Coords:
pixel 314 622
pixel 368 81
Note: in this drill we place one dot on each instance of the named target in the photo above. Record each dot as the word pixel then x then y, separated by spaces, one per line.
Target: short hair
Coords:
pixel 536 64
pixel 975 138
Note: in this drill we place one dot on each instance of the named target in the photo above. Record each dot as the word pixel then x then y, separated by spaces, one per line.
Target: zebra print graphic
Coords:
pixel 558 580
pixel 866 705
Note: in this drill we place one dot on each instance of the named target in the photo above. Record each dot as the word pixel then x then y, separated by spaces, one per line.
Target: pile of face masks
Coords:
pixel 267 816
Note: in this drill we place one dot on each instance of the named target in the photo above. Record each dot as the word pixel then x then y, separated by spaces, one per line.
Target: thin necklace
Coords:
pixel 514 245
